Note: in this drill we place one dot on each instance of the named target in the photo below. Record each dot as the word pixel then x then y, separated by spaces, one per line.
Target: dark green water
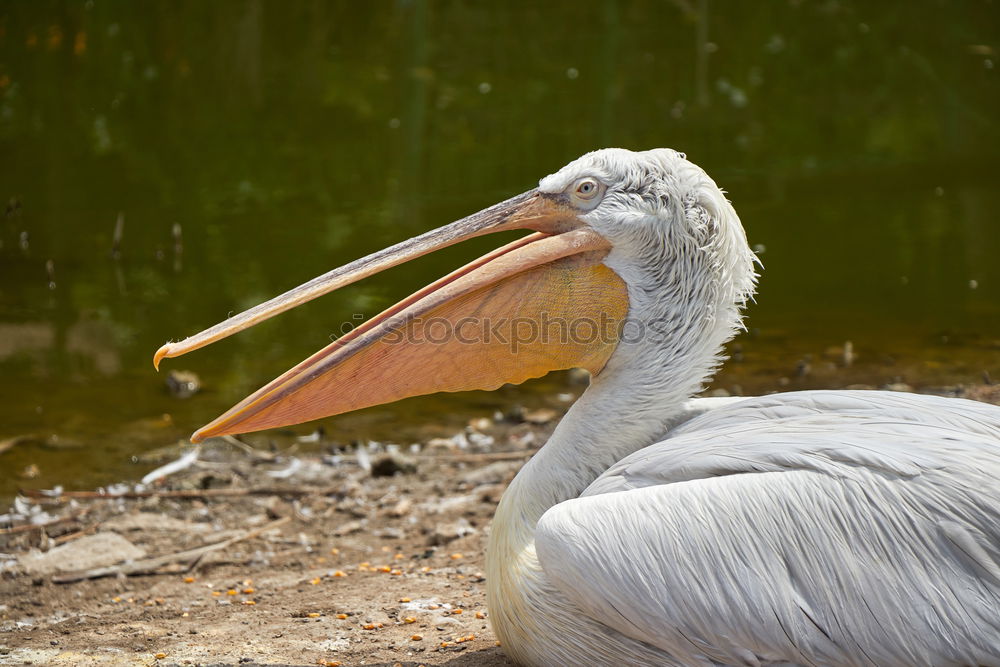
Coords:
pixel 858 141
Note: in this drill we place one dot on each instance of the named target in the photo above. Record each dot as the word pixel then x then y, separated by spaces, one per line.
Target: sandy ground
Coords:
pixel 377 561
pixel 348 558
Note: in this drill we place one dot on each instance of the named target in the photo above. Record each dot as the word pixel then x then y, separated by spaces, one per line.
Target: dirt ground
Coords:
pixel 370 558
pixel 245 556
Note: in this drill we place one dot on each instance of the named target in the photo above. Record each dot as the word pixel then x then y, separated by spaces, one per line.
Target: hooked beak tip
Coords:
pixel 164 351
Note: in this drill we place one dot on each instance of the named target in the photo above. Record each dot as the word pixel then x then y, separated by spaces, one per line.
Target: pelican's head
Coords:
pixel 620 238
pixel 660 214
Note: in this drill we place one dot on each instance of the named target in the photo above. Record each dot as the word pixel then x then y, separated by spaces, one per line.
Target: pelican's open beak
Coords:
pixel 541 303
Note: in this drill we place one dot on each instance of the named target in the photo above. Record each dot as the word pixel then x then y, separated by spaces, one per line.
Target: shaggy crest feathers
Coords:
pixel 650 192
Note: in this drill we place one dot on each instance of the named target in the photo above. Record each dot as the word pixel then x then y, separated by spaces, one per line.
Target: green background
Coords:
pixel 857 140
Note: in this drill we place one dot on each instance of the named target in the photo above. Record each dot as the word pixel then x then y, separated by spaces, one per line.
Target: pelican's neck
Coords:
pixel 685 262
pixel 618 414
pixel 612 419
pixel 670 346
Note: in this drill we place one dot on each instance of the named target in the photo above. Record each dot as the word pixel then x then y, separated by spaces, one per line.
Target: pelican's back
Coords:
pixel 809 528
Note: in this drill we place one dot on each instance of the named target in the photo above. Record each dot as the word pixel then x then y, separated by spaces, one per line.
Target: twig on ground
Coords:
pixel 69 537
pixel 488 456
pixel 253 452
pixel 41 526
pixel 181 493
pixel 151 565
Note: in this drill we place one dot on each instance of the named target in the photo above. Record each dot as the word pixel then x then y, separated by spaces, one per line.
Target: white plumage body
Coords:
pixel 812 528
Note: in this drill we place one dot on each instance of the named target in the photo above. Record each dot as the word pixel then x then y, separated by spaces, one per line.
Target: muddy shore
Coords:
pixel 369 556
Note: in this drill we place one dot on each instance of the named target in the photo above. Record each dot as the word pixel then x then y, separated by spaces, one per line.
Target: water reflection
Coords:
pixel 165 164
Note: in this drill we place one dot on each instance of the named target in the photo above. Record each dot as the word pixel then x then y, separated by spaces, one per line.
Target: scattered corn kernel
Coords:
pixel 445 644
pixel 456 556
pixel 480 614
pixel 369 626
pixel 231 591
pixel 313 614
pixel 434 606
pixel 248 591
pixel 425 568
pixel 416 638
pixel 188 580
pixel 385 568
pixel 315 581
pixel 405 600
pixel 216 594
pixel 409 619
pixel 396 572
pixel 340 573
pixel 161 656
pixel 116 598
pixel 498 642
pixel 456 611
pixel 249 602
pixel 399 556
pixel 341 616
pixel 335 551
pixel 185 615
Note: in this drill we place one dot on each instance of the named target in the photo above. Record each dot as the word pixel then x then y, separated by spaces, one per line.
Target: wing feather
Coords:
pixel 803 528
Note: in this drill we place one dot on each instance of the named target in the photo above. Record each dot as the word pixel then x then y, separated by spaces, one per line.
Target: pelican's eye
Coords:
pixel 586 192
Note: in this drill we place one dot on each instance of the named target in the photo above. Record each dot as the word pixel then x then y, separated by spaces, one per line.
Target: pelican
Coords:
pixel 803 528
